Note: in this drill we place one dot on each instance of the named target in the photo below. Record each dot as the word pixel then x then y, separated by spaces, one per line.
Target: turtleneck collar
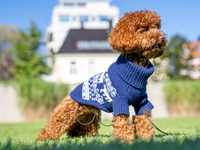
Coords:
pixel 131 73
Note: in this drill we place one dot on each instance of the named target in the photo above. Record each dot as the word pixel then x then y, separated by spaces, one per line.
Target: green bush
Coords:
pixel 183 96
pixel 40 96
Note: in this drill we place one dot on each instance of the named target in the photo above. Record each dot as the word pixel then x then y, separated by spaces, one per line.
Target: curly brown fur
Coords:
pixel 143 126
pixel 123 129
pixel 81 130
pixel 64 120
pixel 137 35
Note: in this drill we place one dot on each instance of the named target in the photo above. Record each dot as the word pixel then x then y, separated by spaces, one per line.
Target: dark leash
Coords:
pixel 159 129
pixel 84 124
pixel 110 124
pixel 104 124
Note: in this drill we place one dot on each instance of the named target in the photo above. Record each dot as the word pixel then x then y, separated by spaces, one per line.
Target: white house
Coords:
pixel 78 38
pixel 84 53
pixel 69 14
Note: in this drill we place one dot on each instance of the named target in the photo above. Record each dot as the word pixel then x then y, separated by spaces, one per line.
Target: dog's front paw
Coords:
pixel 123 129
pixel 143 127
pixel 126 133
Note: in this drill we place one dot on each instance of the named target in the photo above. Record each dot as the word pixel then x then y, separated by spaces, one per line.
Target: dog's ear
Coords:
pixel 120 36
pixel 125 37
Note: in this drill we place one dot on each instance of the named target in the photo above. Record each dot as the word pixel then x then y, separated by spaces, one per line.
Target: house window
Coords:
pixel 83 45
pixel 91 67
pixel 81 4
pixel 68 4
pixel 83 18
pixel 95 44
pixel 64 18
pixel 103 18
pixel 105 44
pixel 73 68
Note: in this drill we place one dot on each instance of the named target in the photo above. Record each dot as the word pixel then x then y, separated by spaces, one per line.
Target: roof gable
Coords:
pixel 76 36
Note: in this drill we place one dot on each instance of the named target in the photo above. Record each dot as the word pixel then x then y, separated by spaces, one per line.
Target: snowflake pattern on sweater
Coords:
pixel 99 88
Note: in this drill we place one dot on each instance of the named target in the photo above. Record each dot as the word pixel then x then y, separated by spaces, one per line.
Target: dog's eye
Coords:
pixel 142 29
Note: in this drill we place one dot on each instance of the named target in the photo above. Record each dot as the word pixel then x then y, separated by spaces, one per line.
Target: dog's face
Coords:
pixel 139 32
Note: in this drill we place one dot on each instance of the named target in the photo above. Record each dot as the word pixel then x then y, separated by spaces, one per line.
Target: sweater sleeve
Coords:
pixel 143 105
pixel 120 105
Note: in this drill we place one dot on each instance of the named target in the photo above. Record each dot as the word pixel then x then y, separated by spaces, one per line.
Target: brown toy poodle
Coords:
pixel 137 36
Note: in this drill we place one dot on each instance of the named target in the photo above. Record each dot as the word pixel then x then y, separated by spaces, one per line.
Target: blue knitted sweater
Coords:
pixel 123 84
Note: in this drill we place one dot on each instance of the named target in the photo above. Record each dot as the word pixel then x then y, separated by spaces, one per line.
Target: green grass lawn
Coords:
pixel 184 135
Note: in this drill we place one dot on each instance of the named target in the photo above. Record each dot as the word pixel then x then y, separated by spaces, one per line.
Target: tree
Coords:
pixel 28 63
pixel 8 35
pixel 6 66
pixel 178 58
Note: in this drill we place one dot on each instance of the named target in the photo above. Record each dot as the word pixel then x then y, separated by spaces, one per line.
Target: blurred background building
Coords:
pixel 194 48
pixel 77 37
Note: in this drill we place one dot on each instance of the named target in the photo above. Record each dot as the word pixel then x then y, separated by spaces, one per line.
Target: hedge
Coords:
pixel 183 97
pixel 40 97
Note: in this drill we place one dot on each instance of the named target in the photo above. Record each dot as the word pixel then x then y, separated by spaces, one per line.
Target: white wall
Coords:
pixel 9 109
pixel 62 66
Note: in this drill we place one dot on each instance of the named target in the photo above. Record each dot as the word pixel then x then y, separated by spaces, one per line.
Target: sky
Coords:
pixel 178 16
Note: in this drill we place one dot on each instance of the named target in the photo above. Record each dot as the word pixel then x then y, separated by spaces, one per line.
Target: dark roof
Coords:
pixel 76 35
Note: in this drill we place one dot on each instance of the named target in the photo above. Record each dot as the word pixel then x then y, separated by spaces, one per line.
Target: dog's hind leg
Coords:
pixel 123 129
pixel 78 129
pixel 63 117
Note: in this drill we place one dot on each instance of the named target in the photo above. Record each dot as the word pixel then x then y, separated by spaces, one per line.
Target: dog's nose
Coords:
pixel 162 38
